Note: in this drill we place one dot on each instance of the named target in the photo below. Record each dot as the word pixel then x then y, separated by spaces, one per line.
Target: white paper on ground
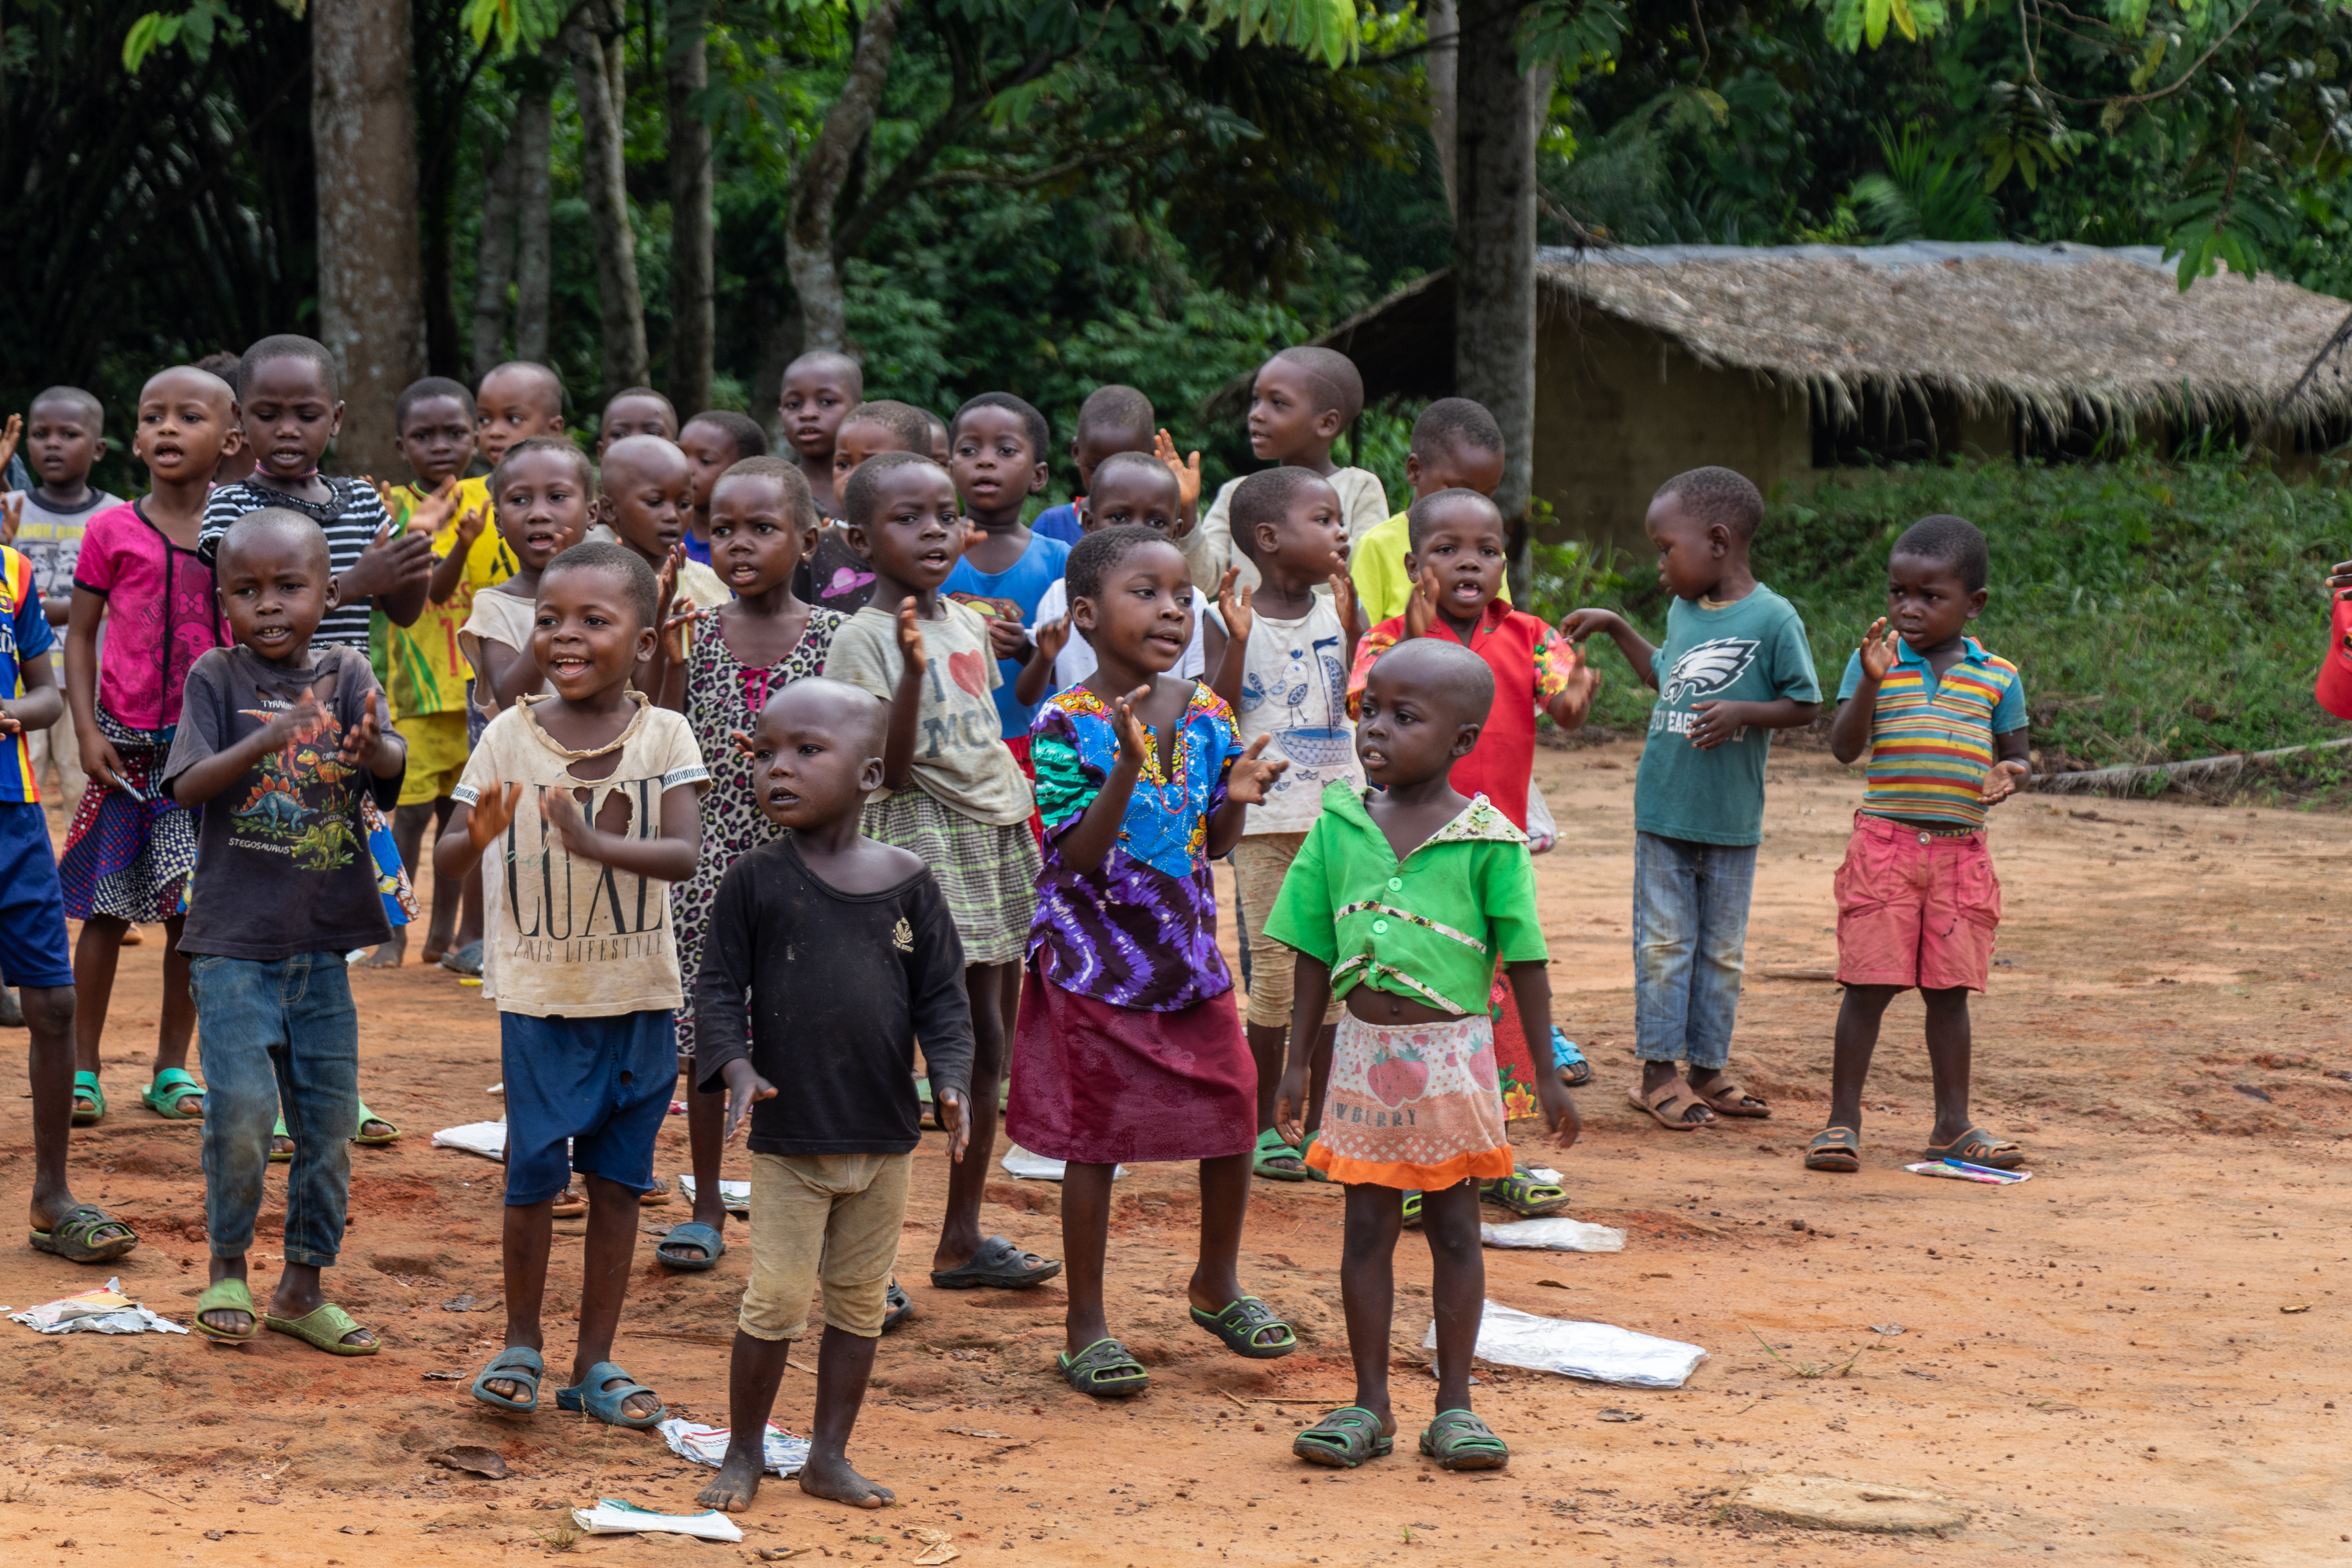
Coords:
pixel 1019 1161
pixel 1558 1234
pixel 488 1138
pixel 106 1310
pixel 1600 1353
pixel 784 1453
pixel 734 1196
pixel 616 1516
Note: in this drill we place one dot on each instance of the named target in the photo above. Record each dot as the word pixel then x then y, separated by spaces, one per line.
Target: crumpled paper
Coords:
pixel 488 1138
pixel 617 1516
pixel 784 1453
pixel 1557 1234
pixel 106 1311
pixel 1601 1352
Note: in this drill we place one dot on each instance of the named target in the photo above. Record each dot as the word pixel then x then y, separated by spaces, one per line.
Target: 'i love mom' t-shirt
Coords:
pixel 961 758
pixel 1751 650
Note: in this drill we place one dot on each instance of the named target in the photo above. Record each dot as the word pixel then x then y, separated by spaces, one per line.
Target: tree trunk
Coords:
pixel 596 77
pixel 494 265
pixel 1495 240
pixel 690 265
pixel 1443 18
pixel 370 285
pixel 534 245
pixel 823 176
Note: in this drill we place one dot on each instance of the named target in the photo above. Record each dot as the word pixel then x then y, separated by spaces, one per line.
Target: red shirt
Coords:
pixel 2335 688
pixel 1532 665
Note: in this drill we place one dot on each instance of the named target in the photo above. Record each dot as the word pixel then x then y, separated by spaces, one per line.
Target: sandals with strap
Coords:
pixel 516 1363
pixel 1977 1147
pixel 1458 1440
pixel 997 1266
pixel 278 1135
pixel 691 1233
pixel 1276 1160
pixel 1569 1062
pixel 227 1296
pixel 169 1094
pixel 86 1087
pixel 366 1139
pixel 1524 1195
pixel 86 1233
pixel 590 1396
pixel 1726 1098
pixel 1104 1369
pixel 898 1306
pixel 1836 1149
pixel 1671 1103
pixel 1409 1209
pixel 322 1327
pixel 1344 1439
pixel 1240 1323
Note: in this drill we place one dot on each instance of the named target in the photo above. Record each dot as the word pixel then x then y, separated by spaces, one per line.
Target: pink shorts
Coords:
pixel 1916 908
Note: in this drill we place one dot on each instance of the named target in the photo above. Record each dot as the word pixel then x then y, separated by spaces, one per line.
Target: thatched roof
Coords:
pixel 2058 330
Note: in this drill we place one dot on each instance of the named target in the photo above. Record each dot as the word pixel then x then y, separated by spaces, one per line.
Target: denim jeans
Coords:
pixel 1690 942
pixel 278 1035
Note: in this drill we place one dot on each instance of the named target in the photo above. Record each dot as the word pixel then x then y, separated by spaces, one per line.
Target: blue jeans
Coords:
pixel 281 1034
pixel 1690 947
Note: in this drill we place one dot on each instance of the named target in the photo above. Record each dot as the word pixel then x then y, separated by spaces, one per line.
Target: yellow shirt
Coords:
pixel 425 670
pixel 1376 562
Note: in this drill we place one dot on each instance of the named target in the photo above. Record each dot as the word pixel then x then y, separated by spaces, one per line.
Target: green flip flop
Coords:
pixel 322 1327
pixel 168 1096
pixel 1240 1325
pixel 228 1296
pixel 1458 1440
pixel 1276 1160
pixel 86 1087
pixel 1105 1369
pixel 279 1156
pixel 377 1140
pixel 1343 1439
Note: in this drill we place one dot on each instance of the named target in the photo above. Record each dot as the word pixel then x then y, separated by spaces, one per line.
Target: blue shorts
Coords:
pixel 32 949
pixel 603 1084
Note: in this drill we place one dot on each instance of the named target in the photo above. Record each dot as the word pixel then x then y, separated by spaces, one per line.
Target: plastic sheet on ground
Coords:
pixel 1598 1353
pixel 488 1138
pixel 784 1453
pixel 106 1310
pixel 1019 1161
pixel 616 1516
pixel 1983 1175
pixel 1557 1234
pixel 734 1196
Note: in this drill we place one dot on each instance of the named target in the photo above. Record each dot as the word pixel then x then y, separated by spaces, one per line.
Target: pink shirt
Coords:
pixel 159 614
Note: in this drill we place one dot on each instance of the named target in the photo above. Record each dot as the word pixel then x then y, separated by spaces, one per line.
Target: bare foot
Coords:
pixel 737 1483
pixel 833 1479
pixel 387 955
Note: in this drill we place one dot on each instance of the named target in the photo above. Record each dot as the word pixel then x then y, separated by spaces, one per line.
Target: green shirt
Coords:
pixel 1431 928
pixel 1751 650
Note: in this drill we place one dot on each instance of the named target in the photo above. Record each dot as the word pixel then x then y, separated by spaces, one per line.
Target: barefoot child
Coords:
pixel 714 441
pixel 590 797
pixel 279 737
pixel 1127 1047
pixel 835 575
pixel 955 796
pixel 1404 900
pixel 1942 723
pixel 819 391
pixel 735 659
pixel 1300 402
pixel 848 955
pixel 131 846
pixel 1734 668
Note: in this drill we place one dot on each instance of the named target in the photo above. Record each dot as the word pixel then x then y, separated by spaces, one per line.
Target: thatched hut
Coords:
pixel 1788 361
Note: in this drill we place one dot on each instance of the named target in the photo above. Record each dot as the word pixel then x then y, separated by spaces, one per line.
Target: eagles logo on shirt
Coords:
pixel 1710 667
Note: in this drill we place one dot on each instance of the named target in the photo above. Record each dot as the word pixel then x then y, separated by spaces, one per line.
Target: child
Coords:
pixel 1299 402
pixel 279 737
pixel 1404 900
pixel 424 669
pixel 835 574
pixel 847 950
pixel 645 492
pixel 65 436
pixel 1128 489
pixel 1457 446
pixel 1943 725
pixel 518 401
pixel 998 461
pixel 634 411
pixel 819 391
pixel 131 847
pixel 1734 668
pixel 590 796
pixel 236 462
pixel 1112 419
pixel 756 645
pixel 1126 1048
pixel 955 796
pixel 941 446
pixel 2333 689
pixel 714 441
pixel 1282 657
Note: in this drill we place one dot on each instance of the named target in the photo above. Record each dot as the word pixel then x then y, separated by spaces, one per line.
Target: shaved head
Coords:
pixel 830 363
pixel 185 378
pixel 1448 676
pixel 845 711
pixel 273 527
pixel 539 382
pixel 655 456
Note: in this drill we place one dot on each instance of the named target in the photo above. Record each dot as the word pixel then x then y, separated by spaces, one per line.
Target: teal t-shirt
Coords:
pixel 1752 650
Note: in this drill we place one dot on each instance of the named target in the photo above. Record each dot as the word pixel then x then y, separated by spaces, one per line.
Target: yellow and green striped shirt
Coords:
pixel 1930 740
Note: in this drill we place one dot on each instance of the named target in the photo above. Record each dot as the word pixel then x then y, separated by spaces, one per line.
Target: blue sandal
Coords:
pixel 691 1233
pixel 516 1363
pixel 590 1397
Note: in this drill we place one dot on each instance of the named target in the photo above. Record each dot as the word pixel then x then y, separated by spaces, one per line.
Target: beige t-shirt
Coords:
pixel 961 758
pixel 567 937
pixel 497 616
pixel 1209 549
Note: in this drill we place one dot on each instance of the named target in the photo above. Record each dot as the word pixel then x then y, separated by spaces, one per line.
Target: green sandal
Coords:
pixel 86 1087
pixel 377 1140
pixel 1276 1160
pixel 86 1233
pixel 227 1296
pixel 1523 1195
pixel 278 1133
pixel 1343 1439
pixel 1105 1369
pixel 173 1089
pixel 1458 1440
pixel 322 1327
pixel 1410 1209
pixel 1240 1323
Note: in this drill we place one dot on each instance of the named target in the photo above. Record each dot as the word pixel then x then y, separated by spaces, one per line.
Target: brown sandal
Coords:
pixel 1726 1098
pixel 1671 1102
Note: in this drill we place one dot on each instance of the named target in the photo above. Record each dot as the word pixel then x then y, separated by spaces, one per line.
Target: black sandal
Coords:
pixel 996 1266
pixel 86 1233
pixel 1105 1369
pixel 900 1306
pixel 1240 1325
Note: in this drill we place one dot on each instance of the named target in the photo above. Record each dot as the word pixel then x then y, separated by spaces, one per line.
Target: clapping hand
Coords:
pixel 492 814
pixel 1877 652
pixel 1343 601
pixel 2005 778
pixel 1007 638
pixel 1421 610
pixel 14 432
pixel 1187 470
pixel 1134 736
pixel 1053 636
pixel 362 741
pixel 1252 776
pixel 911 638
pixel 1234 605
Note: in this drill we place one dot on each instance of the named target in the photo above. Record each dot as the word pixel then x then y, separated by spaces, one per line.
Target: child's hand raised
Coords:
pixel 1252 776
pixel 947 1104
pixel 492 814
pixel 1187 470
pixel 1421 610
pixel 1134 735
pixel 561 812
pixel 469 529
pixel 14 432
pixel 12 518
pixel 302 721
pixel 1053 636
pixel 1578 624
pixel 911 638
pixel 1343 602
pixel 745 1089
pixel 1234 605
pixel 675 633
pixel 1877 652
pixel 362 741
pixel 2005 778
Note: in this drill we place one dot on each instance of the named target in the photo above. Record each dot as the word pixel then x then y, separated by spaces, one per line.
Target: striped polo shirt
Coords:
pixel 24 635
pixel 1930 740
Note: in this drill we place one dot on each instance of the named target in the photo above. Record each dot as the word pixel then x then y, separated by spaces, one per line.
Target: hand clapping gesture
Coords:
pixel 363 740
pixel 1007 638
pixel 1134 735
pixel 1252 776
pixel 1187 470
pixel 1421 610
pixel 1053 636
pixel 911 638
pixel 492 814
pixel 1234 605
pixel 1877 652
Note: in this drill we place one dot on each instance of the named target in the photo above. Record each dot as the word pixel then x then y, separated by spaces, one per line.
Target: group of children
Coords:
pixel 828 781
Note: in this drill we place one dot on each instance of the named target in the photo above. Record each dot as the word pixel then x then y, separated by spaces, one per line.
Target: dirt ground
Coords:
pixel 2132 1357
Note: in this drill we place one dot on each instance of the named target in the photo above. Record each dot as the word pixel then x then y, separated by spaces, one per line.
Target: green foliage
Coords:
pixel 1922 194
pixel 196 30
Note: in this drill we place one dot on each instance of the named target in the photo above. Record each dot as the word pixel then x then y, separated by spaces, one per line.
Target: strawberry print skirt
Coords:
pixel 1413 1106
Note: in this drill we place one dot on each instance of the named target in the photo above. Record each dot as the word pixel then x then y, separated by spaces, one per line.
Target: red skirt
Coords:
pixel 1097 1084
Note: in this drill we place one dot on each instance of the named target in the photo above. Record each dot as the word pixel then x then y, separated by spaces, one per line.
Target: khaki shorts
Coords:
pixel 1260 862
pixel 829 1218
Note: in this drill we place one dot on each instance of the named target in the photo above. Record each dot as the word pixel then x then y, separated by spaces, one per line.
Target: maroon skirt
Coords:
pixel 1096 1083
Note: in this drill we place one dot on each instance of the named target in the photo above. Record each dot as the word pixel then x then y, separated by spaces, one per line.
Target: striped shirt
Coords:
pixel 350 518
pixel 1931 740
pixel 24 634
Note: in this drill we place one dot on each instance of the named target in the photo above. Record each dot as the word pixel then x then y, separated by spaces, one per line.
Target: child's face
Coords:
pixel 291 416
pixel 1451 465
pixel 1928 602
pixel 1466 550
pixel 588 633
pixel 61 444
pixel 941 454
pixel 274 588
pixel 1127 495
pixel 1144 616
pixel 186 421
pixel 994 467
pixel 1692 554
pixel 436 440
pixel 1089 448
pixel 542 507
pixel 1285 424
pixel 1407 730
pixel 814 761
pixel 514 405
pixel 755 539
pixel 914 536
pixel 856 441
pixel 813 402
pixel 633 413
pixel 710 452
pixel 648 489
pixel 1310 542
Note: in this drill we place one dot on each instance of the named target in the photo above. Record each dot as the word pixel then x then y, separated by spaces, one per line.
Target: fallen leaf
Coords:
pixel 477 1460
pixel 2298 1307
pixel 1556 1284
pixel 1620 1415
pixel 977 1432
pixel 1889 1329
pixel 937 1547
